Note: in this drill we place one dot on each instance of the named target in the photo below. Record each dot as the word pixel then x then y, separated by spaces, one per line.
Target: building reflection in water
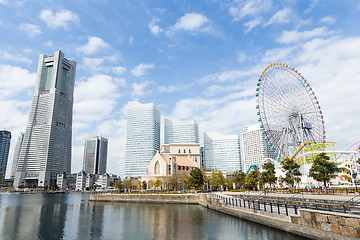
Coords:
pixel 32 216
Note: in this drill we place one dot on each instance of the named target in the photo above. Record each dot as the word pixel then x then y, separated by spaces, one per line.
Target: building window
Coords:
pixel 157 168
pixel 179 151
pixel 195 159
pixel 169 169
pixel 189 150
pixel 184 150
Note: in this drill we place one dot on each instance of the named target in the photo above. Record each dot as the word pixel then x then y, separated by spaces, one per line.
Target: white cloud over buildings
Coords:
pixel 62 18
pixel 94 45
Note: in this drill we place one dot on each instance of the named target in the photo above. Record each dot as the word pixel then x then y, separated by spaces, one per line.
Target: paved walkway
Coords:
pixel 334 197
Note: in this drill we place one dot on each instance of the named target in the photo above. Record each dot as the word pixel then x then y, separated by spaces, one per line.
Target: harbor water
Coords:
pixel 73 216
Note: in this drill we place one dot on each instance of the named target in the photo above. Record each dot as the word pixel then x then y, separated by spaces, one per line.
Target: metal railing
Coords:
pixel 279 207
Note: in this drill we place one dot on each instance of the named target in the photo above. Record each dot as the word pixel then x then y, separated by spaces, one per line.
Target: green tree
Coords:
pixel 173 183
pixel 127 184
pixel 217 178
pixel 292 173
pixel 206 177
pixel 183 177
pixel 118 185
pixel 252 178
pixel 196 178
pixel 322 169
pixel 268 174
pixel 157 183
pixel 239 179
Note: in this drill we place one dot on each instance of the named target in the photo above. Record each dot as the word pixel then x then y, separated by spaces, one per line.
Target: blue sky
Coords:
pixel 195 59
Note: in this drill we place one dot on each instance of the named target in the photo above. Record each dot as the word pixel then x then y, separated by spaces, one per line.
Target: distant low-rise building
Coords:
pixel 85 181
pixel 66 181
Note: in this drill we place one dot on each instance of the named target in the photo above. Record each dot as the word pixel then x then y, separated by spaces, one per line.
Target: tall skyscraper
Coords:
pixel 254 147
pixel 16 156
pixel 5 137
pixel 222 152
pixel 142 138
pixel 95 155
pixel 177 131
pixel 46 149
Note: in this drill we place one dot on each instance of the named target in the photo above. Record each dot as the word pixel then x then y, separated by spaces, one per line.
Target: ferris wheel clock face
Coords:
pixel 288 110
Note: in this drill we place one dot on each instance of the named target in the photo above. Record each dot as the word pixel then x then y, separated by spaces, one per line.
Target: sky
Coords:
pixel 194 59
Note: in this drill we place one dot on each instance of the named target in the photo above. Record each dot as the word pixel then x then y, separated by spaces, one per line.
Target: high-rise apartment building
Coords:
pixel 95 155
pixel 254 147
pixel 143 137
pixel 17 150
pixel 46 149
pixel 177 131
pixel 222 152
pixel 5 137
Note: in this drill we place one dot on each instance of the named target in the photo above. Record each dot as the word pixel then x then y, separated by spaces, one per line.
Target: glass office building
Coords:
pixel 177 131
pixel 95 155
pixel 46 149
pixel 143 137
pixel 16 156
pixel 222 152
pixel 5 137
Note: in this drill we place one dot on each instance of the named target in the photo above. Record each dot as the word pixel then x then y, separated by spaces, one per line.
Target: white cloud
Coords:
pixel 168 89
pixel 253 23
pixel 241 57
pixel 243 8
pixel 49 44
pixel 95 98
pixel 327 20
pixel 282 16
pixel 93 64
pixel 31 29
pixel 14 80
pixel 131 40
pixel 227 76
pixel 138 89
pixel 140 70
pixel 119 70
pixel 93 45
pixel 296 36
pixel 2 2
pixel 154 28
pixel 13 57
pixel 190 22
pixel 61 18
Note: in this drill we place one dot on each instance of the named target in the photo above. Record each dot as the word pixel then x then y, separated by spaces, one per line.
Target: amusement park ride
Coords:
pixel 292 123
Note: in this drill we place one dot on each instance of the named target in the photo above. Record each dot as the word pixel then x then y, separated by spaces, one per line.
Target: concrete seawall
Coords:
pixel 281 222
pixel 147 198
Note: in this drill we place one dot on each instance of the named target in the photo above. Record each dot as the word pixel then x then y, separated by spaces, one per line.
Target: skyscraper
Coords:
pixel 253 146
pixel 17 150
pixel 5 137
pixel 222 152
pixel 142 138
pixel 177 131
pixel 46 149
pixel 95 155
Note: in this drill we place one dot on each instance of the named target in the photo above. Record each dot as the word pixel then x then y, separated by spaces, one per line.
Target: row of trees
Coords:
pixel 322 170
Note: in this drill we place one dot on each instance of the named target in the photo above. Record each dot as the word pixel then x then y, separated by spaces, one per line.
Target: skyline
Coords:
pixel 195 60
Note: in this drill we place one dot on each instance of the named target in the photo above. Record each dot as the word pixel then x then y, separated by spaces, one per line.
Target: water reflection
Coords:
pixel 72 216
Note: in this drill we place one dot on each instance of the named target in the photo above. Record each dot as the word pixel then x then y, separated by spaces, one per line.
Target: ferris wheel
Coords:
pixel 288 110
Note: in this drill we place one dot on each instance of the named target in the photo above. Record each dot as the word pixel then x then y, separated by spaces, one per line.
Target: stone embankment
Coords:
pixel 147 198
